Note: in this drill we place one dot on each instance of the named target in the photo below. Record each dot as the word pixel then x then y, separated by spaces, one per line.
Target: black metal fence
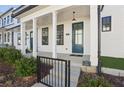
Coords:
pixel 53 72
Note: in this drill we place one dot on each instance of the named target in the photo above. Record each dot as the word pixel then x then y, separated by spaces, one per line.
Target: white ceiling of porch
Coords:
pixel 63 15
pixel 66 14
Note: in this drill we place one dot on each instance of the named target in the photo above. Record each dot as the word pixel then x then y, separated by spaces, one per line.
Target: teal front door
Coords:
pixel 31 40
pixel 77 37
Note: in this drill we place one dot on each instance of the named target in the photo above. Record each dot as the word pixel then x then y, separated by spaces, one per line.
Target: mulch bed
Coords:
pixel 8 78
pixel 116 81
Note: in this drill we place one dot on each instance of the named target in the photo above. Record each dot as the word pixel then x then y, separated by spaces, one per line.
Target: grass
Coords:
pixel 111 62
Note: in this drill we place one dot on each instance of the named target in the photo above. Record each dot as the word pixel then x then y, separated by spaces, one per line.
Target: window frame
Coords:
pixel 60 35
pixel 47 36
pixel 105 19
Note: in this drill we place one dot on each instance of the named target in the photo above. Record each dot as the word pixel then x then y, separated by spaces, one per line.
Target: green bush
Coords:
pixel 94 81
pixel 25 66
pixel 10 54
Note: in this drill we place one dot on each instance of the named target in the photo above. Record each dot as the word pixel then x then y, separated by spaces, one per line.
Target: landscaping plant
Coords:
pixel 25 66
pixel 90 80
pixel 10 54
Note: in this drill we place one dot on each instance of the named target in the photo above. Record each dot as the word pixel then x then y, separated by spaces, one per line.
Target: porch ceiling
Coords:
pixel 81 11
pixel 65 14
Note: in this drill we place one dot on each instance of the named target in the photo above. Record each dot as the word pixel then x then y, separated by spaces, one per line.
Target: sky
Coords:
pixel 4 8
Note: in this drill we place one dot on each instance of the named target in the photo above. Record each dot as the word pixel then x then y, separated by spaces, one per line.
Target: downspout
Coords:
pixel 99 9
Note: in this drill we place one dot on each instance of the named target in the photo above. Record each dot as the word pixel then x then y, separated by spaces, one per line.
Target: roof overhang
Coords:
pixel 2 29
pixel 22 9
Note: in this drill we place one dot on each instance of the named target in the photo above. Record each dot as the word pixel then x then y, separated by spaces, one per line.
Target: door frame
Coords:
pixel 82 22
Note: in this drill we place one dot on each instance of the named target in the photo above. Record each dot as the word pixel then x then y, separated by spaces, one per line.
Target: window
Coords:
pixel 11 19
pixel 4 21
pixel 18 20
pixel 45 36
pixel 0 38
pixel 8 36
pixel 19 38
pixel 7 19
pixel 106 23
pixel 60 34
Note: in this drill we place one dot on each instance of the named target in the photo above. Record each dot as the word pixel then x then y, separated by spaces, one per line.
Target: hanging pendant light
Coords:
pixel 73 16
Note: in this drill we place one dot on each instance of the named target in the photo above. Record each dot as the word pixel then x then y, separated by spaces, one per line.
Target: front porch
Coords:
pixel 46 44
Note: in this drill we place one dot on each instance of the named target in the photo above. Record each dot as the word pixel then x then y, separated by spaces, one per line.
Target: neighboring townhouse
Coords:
pixel 112 34
pixel 10 29
pixel 61 31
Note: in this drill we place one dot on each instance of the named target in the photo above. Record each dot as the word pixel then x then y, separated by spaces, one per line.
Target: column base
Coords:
pixel 89 69
pixel 35 54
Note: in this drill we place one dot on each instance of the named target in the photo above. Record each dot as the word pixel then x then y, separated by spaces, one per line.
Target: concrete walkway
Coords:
pixel 39 85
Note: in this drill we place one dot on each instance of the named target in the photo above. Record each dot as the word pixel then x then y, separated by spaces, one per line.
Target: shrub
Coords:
pixel 10 54
pixel 2 51
pixel 94 81
pixel 25 66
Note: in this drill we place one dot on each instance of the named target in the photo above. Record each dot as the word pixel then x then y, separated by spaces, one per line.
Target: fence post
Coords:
pixel 38 69
pixel 68 73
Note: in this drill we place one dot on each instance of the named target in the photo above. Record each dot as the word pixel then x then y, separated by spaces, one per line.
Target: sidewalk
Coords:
pixel 39 85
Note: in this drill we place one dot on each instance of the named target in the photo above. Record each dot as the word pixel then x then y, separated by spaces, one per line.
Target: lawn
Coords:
pixel 111 62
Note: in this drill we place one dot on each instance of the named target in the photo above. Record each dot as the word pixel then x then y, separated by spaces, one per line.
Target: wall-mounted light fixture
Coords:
pixel 73 16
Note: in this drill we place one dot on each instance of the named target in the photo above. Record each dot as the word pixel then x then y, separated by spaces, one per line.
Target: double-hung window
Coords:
pixel 7 19
pixel 11 19
pixel 4 21
pixel 45 37
pixel 60 34
pixel 106 23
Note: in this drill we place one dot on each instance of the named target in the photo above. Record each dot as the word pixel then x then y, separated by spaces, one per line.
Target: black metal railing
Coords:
pixel 53 72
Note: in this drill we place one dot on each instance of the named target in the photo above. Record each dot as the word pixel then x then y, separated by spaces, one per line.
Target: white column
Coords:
pixel 54 23
pixel 23 38
pixel 35 37
pixel 93 35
